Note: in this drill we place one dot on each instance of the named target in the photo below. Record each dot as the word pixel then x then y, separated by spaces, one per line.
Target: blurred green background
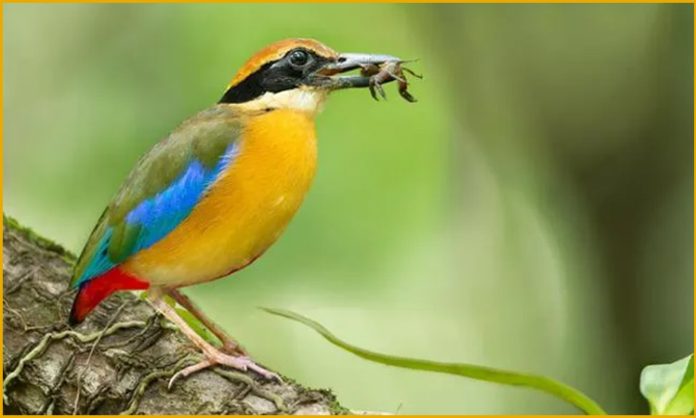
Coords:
pixel 532 211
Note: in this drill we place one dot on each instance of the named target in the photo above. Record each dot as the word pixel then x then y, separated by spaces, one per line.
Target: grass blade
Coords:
pixel 542 383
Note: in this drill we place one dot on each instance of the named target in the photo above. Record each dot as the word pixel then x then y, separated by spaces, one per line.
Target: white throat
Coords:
pixel 302 99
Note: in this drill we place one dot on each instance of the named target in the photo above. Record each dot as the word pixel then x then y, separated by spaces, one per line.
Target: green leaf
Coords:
pixel 542 383
pixel 191 320
pixel 669 388
pixel 197 326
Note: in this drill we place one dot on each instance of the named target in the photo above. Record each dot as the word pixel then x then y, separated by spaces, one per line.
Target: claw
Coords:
pixel 381 91
pixel 386 72
pixel 395 76
pixel 377 87
pixel 187 371
pixel 373 93
pixel 420 76
pixel 407 96
pixel 242 363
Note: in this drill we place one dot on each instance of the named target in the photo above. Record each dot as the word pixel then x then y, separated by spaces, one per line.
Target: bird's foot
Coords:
pixel 231 347
pixel 214 358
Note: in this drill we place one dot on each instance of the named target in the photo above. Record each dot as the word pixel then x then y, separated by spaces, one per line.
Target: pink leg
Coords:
pixel 212 355
pixel 229 345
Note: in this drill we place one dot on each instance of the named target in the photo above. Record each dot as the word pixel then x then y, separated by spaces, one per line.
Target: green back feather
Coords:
pixel 204 138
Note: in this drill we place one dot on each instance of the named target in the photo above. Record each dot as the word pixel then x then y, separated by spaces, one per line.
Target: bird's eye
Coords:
pixel 299 58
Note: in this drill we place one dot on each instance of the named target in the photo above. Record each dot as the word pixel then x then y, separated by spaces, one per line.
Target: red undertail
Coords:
pixel 99 288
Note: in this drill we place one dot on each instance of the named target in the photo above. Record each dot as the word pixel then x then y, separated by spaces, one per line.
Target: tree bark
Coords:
pixel 120 359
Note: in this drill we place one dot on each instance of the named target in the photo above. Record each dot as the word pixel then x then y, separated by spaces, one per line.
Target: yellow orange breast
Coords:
pixel 245 211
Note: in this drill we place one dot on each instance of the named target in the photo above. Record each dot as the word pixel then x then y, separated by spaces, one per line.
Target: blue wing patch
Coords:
pixel 100 262
pixel 158 215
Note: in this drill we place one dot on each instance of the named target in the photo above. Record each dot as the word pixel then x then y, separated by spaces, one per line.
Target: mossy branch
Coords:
pixel 117 361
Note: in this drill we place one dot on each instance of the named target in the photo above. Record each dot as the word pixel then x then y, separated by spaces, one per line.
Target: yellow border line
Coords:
pixel 2 170
pixel 367 1
pixel 329 1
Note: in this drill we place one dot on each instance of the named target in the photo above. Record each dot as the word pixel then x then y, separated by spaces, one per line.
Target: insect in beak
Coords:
pixel 375 70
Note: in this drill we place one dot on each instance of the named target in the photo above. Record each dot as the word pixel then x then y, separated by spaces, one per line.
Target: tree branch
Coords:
pixel 120 359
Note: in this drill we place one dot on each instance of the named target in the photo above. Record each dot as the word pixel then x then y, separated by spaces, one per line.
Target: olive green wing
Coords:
pixel 161 191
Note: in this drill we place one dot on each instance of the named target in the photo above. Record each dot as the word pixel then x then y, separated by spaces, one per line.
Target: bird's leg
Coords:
pixel 229 345
pixel 212 355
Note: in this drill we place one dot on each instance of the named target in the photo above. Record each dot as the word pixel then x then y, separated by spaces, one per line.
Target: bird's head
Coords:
pixel 296 74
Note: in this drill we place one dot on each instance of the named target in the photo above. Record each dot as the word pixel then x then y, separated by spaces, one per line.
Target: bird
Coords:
pixel 213 195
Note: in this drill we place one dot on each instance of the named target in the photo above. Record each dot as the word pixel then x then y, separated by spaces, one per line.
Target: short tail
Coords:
pixel 93 291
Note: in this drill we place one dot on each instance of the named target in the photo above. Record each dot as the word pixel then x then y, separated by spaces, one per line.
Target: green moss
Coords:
pixel 334 407
pixel 306 394
pixel 45 243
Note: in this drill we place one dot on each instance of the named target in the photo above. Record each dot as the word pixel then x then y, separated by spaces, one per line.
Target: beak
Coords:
pixel 347 62
pixel 328 76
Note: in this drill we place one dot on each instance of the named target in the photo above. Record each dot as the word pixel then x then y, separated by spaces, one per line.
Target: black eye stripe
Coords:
pixel 274 77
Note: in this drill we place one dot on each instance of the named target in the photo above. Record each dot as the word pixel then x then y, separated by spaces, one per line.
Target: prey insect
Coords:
pixel 385 72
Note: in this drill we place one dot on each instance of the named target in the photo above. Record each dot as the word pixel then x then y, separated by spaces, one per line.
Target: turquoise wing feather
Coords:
pixel 161 191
